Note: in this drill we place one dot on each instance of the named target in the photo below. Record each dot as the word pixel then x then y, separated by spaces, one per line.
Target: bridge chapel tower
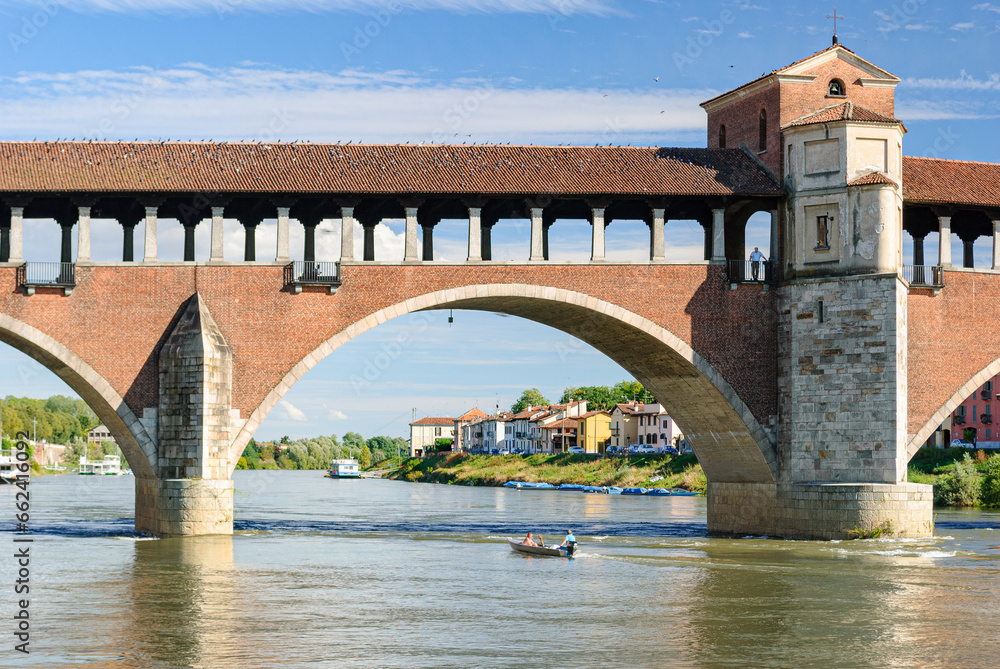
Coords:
pixel 825 128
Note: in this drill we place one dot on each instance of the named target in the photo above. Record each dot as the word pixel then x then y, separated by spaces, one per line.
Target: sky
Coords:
pixel 452 71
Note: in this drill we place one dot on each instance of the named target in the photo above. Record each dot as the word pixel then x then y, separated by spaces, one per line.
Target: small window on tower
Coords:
pixel 763 130
pixel 837 87
pixel 722 136
pixel 822 232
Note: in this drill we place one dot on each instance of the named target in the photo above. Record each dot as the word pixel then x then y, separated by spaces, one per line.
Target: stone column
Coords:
pixel 149 251
pixel 128 240
pixel 83 235
pixel 718 235
pixel 996 244
pixel 773 250
pixel 66 250
pixel 486 242
pixel 283 254
pixel 410 252
pixel 657 245
pixel 597 243
pixel 347 233
pixel 428 245
pixel 475 234
pixel 537 249
pixel 5 243
pixel 944 241
pixel 17 234
pixel 968 257
pixel 218 244
pixel 189 242
pixel 309 252
pixel 250 241
pixel 369 243
pixel 918 258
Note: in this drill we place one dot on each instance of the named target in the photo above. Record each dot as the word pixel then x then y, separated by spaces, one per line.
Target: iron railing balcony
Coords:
pixel 33 275
pixel 930 276
pixel 311 273
pixel 750 271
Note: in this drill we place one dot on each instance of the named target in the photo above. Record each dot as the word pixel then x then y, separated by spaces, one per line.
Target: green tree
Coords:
pixel 961 487
pixel 625 391
pixel 365 457
pixel 532 397
pixel 597 397
pixel 353 442
pixel 990 487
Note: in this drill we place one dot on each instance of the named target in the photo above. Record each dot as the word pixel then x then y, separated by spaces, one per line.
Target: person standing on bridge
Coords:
pixel 756 258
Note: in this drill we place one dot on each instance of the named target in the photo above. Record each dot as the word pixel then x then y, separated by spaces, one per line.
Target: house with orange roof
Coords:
pixel 426 431
pixel 467 418
pixel 594 431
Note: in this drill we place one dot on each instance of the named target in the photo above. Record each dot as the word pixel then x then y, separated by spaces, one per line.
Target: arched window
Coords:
pixel 837 87
pixel 722 136
pixel 763 130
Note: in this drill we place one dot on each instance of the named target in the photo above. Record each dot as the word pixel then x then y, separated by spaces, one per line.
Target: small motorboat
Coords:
pixel 571 486
pixel 659 492
pixel 528 485
pixel 551 551
pixel 634 491
pixel 685 493
pixel 613 490
pixel 593 488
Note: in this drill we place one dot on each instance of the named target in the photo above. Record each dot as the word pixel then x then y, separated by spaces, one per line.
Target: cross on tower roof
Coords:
pixel 835 17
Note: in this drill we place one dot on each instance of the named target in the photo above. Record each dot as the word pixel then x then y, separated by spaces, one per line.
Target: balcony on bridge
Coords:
pixel 924 276
pixel 32 275
pixel 750 271
pixel 301 273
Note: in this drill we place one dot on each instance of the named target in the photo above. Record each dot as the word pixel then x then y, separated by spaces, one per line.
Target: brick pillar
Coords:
pixel 193 493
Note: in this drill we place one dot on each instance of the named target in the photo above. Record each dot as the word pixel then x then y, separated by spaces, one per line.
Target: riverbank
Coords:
pixel 658 471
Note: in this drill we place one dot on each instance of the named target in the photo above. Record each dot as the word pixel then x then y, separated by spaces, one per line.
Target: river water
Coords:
pixel 373 573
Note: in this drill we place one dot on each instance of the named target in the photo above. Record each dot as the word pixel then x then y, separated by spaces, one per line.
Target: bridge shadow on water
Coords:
pixel 123 528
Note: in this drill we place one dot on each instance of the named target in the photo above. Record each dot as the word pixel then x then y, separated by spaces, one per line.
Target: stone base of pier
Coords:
pixel 821 510
pixel 183 507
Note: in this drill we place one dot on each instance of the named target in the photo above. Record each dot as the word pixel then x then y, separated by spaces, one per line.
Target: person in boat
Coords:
pixel 528 540
pixel 569 543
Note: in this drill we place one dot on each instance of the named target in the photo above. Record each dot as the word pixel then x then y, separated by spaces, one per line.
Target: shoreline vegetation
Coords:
pixel 647 471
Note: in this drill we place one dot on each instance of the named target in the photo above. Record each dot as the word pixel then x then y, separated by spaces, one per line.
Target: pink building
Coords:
pixel 973 419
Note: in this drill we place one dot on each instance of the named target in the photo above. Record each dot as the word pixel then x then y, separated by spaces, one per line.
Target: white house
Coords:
pixel 426 431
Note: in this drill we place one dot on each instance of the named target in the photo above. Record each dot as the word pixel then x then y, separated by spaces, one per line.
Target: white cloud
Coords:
pixel 964 82
pixel 292 412
pixel 745 35
pixel 334 414
pixel 197 102
pixel 226 7
pixel 987 7
pixel 964 27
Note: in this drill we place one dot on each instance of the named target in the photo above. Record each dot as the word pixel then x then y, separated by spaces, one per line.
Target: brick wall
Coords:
pixel 117 317
pixel 742 120
pixel 797 100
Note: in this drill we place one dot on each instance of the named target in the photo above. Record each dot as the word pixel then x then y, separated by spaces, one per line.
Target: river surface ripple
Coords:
pixel 372 573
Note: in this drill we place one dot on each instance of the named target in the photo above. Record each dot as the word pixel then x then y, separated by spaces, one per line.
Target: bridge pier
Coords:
pixel 193 493
pixel 820 510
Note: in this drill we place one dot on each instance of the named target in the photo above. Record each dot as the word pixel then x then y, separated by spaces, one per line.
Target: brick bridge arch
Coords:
pixel 94 389
pixel 730 443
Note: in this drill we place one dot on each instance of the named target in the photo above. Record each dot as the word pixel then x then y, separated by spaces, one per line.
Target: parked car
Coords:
pixel 576 449
pixel 961 443
pixel 612 450
pixel 645 450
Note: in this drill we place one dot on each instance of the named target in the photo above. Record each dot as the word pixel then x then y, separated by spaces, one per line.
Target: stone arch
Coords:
pixel 917 440
pixel 731 445
pixel 131 435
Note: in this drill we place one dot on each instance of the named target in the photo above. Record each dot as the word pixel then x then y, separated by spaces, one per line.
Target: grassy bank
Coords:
pixel 495 470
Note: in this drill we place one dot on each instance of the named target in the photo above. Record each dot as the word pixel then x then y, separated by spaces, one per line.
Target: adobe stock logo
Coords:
pixel 704 38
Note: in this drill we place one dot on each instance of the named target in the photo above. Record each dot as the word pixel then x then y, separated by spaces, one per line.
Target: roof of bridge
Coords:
pixel 377 169
pixel 959 182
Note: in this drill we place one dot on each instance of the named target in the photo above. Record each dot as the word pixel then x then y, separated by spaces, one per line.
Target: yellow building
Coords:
pixel 594 432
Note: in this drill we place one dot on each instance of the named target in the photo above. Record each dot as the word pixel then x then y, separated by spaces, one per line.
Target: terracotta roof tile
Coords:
pixel 936 181
pixel 471 414
pixel 434 420
pixel 872 179
pixel 376 169
pixel 845 111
